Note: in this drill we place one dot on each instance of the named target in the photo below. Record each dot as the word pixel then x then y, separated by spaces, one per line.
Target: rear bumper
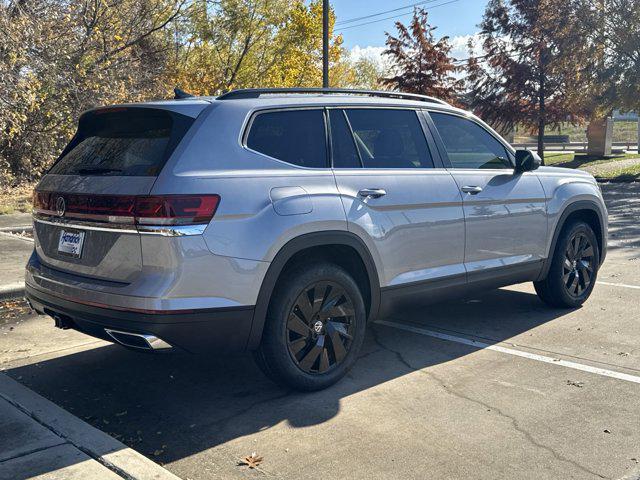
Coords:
pixel 217 330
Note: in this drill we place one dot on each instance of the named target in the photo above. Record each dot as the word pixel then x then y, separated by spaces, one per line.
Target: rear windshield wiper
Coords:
pixel 98 170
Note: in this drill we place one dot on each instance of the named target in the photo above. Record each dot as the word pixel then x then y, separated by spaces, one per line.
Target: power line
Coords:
pixel 392 17
pixel 357 19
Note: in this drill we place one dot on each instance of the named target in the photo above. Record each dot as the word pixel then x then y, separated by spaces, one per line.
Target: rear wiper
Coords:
pixel 94 170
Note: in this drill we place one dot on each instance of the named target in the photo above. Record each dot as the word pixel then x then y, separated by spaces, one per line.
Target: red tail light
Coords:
pixel 176 209
pixel 129 209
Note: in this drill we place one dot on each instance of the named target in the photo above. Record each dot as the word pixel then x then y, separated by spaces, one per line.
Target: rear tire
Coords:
pixel 574 268
pixel 314 329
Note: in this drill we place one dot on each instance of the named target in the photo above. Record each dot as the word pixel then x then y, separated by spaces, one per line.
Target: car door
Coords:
pixel 396 194
pixel 505 212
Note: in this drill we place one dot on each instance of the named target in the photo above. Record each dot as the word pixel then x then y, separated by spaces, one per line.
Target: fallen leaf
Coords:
pixel 606 431
pixel 251 461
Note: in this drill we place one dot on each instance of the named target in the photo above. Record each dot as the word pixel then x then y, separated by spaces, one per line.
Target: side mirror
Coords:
pixel 526 160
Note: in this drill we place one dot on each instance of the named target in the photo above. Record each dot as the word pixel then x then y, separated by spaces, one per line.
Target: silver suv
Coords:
pixel 281 221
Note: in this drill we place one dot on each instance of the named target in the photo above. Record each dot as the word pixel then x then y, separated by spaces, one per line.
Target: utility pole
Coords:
pixel 325 43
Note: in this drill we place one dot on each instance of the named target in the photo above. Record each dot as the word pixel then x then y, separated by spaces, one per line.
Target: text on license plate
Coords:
pixel 71 243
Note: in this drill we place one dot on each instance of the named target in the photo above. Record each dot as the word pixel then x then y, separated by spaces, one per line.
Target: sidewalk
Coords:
pixel 14 253
pixel 39 440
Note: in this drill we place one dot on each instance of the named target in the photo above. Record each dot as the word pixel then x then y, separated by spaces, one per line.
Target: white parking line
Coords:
pixel 510 351
pixel 624 285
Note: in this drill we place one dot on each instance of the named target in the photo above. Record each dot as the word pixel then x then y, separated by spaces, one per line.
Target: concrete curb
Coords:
pixel 111 453
pixel 18 229
pixel 11 291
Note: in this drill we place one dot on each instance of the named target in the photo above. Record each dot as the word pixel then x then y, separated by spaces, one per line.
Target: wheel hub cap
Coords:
pixel 579 265
pixel 320 327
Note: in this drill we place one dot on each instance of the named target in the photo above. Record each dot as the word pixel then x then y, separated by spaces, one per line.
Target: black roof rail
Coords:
pixel 256 92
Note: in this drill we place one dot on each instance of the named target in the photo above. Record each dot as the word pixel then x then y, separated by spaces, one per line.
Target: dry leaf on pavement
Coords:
pixel 251 461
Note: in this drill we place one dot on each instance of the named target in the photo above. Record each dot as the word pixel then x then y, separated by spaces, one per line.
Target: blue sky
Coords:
pixel 457 19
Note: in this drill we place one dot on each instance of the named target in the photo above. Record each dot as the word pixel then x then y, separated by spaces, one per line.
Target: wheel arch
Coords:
pixel 587 211
pixel 351 250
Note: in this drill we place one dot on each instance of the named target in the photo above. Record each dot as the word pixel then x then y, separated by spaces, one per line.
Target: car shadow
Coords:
pixel 172 406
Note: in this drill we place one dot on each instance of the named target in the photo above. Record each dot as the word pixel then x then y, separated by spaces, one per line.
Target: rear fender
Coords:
pixel 296 245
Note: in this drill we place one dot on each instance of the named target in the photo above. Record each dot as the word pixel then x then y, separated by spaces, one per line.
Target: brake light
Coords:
pixel 176 209
pixel 129 209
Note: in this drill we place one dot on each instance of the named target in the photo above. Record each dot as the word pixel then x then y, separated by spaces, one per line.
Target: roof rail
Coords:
pixel 256 92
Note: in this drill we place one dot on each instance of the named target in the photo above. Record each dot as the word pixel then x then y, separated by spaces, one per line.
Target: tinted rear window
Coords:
pixel 293 136
pixel 389 138
pixel 134 142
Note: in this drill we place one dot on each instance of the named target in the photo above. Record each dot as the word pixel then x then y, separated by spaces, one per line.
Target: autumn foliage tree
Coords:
pixel 529 72
pixel 420 63
pixel 612 77
pixel 60 57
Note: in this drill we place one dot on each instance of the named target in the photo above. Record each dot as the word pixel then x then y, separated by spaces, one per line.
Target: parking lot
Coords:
pixel 494 386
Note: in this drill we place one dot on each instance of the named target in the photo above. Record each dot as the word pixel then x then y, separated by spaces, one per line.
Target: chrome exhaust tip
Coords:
pixel 142 341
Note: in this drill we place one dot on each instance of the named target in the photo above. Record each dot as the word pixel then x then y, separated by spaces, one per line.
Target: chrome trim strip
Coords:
pixel 162 230
pixel 172 230
pixel 101 227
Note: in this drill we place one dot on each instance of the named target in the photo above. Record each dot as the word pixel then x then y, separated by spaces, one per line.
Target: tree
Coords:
pixel 529 73
pixel 420 63
pixel 367 74
pixel 230 44
pixel 59 58
pixel 612 28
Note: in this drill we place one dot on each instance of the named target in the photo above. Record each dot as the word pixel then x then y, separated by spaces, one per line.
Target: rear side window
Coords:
pixel 127 141
pixel 468 145
pixel 389 138
pixel 293 136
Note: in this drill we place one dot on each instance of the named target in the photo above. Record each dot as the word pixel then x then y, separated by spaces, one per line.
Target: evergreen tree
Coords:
pixel 420 63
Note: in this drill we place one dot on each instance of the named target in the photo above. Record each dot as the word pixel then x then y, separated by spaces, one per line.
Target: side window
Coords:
pixel 293 136
pixel 469 145
pixel 343 147
pixel 389 138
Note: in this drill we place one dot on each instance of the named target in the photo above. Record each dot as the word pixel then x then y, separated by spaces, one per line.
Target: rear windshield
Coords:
pixel 127 141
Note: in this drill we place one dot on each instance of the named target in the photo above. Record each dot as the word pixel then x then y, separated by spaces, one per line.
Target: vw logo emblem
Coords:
pixel 317 327
pixel 60 206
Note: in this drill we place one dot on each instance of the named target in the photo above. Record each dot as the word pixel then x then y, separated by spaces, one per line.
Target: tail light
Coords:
pixel 129 209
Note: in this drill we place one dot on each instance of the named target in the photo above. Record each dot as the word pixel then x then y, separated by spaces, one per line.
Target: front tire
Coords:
pixel 314 329
pixel 574 268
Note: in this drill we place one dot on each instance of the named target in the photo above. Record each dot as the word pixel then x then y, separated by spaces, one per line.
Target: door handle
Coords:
pixel 372 192
pixel 472 189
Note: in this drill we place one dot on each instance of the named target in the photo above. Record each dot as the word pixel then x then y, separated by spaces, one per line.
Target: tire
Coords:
pixel 314 329
pixel 574 268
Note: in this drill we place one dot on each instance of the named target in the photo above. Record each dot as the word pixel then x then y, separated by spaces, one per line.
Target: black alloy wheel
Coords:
pixel 573 269
pixel 320 327
pixel 578 265
pixel 315 326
